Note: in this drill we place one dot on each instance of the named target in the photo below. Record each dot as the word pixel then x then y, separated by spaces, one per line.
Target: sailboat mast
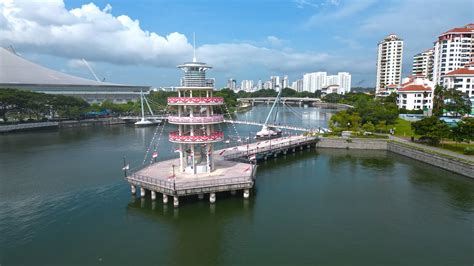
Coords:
pixel 141 100
pixel 273 107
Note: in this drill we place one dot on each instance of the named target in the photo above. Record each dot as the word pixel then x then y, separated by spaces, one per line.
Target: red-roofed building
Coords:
pixel 453 49
pixel 461 79
pixel 416 93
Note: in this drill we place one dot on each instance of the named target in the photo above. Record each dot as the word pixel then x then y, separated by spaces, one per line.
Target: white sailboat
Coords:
pixel 268 132
pixel 143 121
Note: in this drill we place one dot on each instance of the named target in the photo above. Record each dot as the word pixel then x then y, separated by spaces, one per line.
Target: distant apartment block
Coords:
pixel 297 85
pixel 453 50
pixel 246 85
pixel 423 64
pixel 232 84
pixel 317 81
pixel 389 62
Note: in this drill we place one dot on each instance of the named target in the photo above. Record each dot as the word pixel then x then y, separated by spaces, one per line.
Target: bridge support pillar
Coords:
pixel 200 196
pixel 165 199
pixel 153 195
pixel 142 192
pixel 284 152
pixel 133 189
pixel 233 192
pixel 275 154
pixel 212 197
pixel 246 193
pixel 175 201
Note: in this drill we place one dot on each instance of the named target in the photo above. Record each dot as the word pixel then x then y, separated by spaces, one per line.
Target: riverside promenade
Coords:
pixel 435 149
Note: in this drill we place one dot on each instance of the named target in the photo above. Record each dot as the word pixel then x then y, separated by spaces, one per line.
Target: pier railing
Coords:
pixel 270 147
pixel 174 185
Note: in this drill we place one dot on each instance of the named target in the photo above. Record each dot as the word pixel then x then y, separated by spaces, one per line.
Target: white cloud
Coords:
pixel 97 35
pixel 88 32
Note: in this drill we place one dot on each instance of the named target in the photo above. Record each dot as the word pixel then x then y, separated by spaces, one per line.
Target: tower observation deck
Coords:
pixel 195 120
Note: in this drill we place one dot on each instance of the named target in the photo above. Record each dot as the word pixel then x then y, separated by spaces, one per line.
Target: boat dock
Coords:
pixel 235 171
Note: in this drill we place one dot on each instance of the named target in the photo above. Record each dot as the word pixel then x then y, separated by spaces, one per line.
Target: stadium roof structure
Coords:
pixel 17 72
pixel 14 69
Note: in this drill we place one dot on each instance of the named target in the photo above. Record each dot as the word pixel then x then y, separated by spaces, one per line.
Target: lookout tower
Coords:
pixel 195 119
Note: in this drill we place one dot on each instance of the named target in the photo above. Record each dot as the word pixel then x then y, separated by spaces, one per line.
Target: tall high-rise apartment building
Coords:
pixel 232 84
pixel 423 64
pixel 246 85
pixel 314 81
pixel 389 62
pixel 285 83
pixel 297 85
pixel 453 50
pixel 276 83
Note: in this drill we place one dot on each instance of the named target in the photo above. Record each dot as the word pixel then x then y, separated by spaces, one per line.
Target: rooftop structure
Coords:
pixel 17 72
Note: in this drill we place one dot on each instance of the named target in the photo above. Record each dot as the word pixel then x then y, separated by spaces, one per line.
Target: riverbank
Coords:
pixel 457 163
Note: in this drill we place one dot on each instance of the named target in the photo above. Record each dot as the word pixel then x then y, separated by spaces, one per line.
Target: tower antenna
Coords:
pixel 194 47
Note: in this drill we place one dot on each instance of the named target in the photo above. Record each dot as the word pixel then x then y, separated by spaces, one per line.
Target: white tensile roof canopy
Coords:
pixel 16 70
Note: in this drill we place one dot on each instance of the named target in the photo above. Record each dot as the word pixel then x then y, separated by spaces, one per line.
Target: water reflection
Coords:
pixel 199 229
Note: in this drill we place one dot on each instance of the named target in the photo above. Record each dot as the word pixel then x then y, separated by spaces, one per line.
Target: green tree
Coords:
pixel 345 120
pixel 456 102
pixel 438 101
pixel 431 128
pixel 368 127
pixel 464 130
pixel 332 98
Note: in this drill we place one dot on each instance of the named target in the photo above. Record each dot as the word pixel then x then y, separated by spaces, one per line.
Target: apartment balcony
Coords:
pixel 196 120
pixel 195 101
pixel 215 136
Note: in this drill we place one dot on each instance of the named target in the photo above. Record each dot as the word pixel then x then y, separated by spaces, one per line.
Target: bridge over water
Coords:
pixel 317 102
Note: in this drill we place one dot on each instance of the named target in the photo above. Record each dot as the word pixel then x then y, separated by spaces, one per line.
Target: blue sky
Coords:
pixel 140 42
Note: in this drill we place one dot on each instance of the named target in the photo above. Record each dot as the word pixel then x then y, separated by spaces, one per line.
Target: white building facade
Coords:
pixel 423 64
pixel 318 80
pixel 416 93
pixel 389 62
pixel 453 50
pixel 246 85
pixel 461 79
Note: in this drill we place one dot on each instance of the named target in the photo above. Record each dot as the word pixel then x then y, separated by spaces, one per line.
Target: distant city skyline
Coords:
pixel 142 42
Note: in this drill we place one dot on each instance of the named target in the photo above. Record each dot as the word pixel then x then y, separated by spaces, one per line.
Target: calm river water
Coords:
pixel 63 201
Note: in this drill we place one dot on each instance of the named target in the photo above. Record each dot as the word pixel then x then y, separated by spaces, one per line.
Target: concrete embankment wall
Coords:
pixel 443 161
pixel 358 144
pixel 91 122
